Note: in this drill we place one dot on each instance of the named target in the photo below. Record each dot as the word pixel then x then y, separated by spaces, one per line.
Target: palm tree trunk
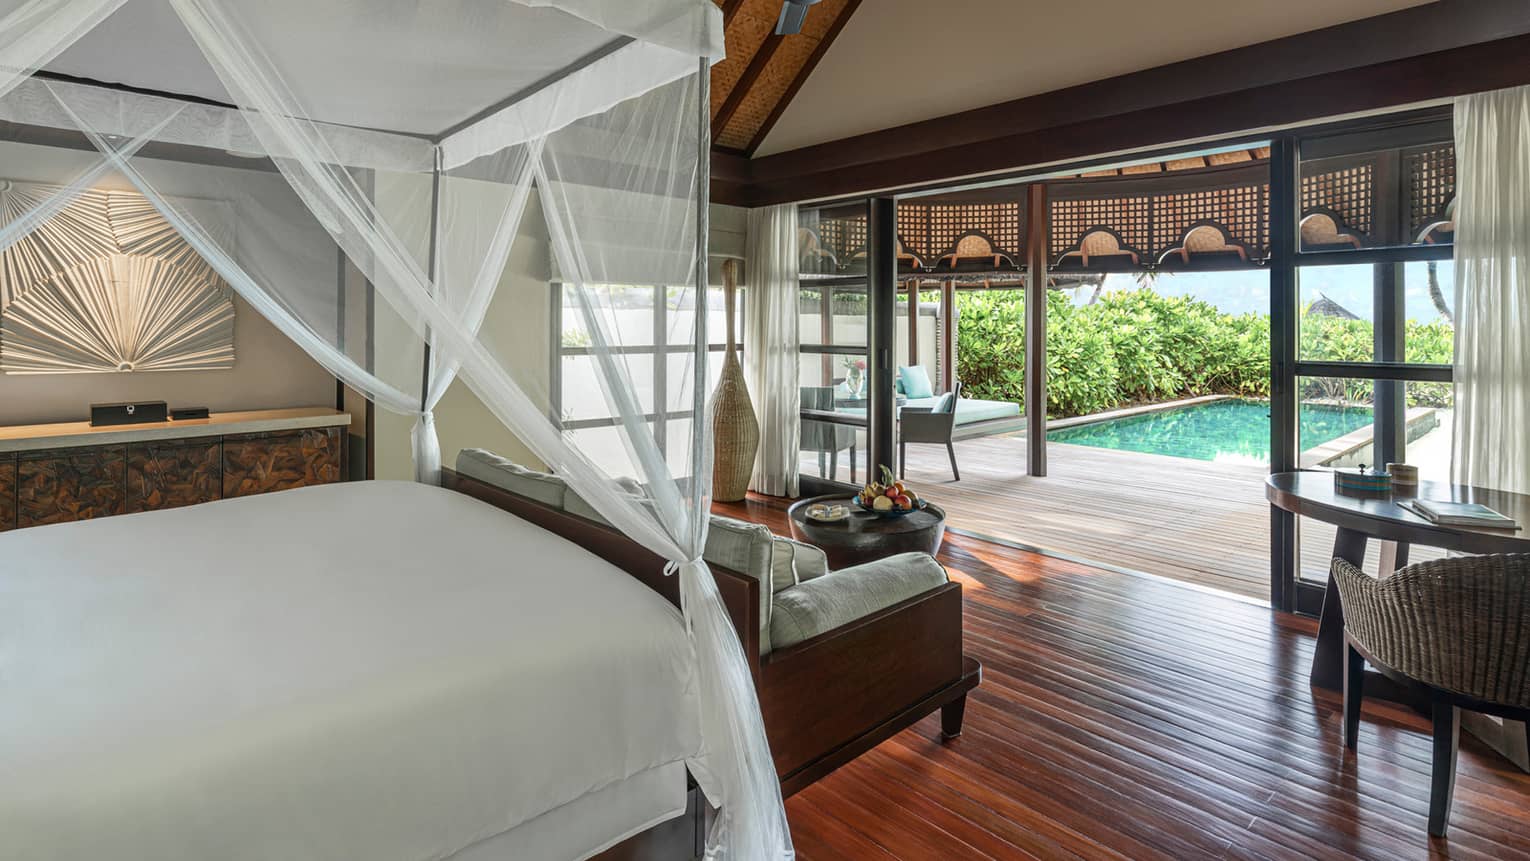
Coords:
pixel 1437 297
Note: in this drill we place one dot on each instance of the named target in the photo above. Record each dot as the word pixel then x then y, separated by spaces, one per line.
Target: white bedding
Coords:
pixel 379 670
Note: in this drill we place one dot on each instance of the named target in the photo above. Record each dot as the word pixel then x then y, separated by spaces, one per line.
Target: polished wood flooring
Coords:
pixel 1128 717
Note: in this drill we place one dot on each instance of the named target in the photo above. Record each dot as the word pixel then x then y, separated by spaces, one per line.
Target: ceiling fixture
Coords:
pixel 792 14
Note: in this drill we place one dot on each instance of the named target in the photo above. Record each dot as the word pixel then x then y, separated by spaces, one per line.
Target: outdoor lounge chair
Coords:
pixel 929 425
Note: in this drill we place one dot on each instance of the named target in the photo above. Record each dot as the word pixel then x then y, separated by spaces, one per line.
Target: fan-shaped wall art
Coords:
pixel 107 285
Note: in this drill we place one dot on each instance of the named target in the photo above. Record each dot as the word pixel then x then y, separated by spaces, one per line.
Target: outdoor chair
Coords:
pixel 1459 629
pixel 929 425
pixel 828 440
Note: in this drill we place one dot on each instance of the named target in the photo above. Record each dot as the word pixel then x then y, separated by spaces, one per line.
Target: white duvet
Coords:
pixel 380 670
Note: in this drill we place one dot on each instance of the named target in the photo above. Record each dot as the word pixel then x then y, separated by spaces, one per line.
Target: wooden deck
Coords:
pixel 1191 520
pixel 1127 717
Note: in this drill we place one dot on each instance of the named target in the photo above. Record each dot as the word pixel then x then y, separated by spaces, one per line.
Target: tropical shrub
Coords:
pixel 1139 346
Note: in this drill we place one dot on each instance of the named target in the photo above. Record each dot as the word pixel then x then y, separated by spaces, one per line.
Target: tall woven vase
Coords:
pixel 735 433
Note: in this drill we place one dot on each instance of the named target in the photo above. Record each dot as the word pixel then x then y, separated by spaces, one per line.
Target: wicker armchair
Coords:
pixel 1458 627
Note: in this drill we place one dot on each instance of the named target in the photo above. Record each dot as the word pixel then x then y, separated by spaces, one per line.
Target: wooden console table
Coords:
pixel 56 473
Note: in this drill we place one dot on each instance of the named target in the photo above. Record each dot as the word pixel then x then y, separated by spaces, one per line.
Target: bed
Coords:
pixel 380 670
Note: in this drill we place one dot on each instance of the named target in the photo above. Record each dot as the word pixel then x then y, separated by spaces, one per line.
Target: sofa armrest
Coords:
pixel 840 597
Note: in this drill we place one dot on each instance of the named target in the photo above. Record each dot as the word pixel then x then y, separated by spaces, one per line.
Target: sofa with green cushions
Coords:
pixel 846 657
pixel 974 417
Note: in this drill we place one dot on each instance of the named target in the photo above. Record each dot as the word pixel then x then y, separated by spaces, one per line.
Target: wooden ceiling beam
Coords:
pixel 740 90
pixel 1427 52
pixel 802 76
pixel 730 8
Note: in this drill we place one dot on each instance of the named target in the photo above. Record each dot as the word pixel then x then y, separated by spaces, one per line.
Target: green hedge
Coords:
pixel 1139 346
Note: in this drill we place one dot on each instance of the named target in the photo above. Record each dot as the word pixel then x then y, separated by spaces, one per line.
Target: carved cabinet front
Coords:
pixel 172 474
pixel 7 492
pixel 60 485
pixel 70 484
pixel 261 463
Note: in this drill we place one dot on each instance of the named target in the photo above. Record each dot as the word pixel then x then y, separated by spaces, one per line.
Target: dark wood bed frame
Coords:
pixel 825 700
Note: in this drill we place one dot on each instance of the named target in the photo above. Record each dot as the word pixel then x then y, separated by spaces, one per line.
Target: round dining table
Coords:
pixel 1360 519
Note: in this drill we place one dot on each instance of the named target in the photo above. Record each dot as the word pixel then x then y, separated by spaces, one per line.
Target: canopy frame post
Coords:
pixel 426 365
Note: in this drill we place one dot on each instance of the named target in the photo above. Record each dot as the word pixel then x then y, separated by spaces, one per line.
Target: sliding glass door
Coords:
pixel 1364 299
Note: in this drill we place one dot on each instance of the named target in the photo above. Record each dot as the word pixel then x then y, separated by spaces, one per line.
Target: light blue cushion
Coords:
pixel 945 403
pixel 916 381
pixel 899 386
pixel 970 410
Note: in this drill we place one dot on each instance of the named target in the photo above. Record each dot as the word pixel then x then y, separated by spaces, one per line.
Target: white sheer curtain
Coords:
pixel 618 162
pixel 771 360
pixel 1492 262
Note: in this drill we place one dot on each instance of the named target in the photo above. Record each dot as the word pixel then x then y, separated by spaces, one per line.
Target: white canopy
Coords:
pixel 409 138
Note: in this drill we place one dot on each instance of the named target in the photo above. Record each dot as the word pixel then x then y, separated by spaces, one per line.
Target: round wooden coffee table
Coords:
pixel 863 536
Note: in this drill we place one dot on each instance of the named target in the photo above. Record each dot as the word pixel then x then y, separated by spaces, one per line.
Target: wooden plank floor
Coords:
pixel 1123 716
pixel 1190 520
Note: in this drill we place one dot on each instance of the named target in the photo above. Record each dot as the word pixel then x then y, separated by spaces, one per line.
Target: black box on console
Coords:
pixel 145 412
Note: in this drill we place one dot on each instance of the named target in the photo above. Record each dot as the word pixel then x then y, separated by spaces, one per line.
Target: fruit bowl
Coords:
pixel 892 512
pixel 888 497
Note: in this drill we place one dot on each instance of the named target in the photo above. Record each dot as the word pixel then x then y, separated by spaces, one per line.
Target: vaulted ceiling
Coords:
pixel 900 61
pixel 763 71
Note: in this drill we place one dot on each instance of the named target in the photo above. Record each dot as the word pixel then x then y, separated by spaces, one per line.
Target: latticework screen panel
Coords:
pixel 1347 190
pixel 932 230
pixel 1129 217
pixel 1430 177
pixel 1241 211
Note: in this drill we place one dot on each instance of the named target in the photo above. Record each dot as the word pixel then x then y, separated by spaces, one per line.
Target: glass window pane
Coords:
pixel 832 451
pixel 832 315
pixel 582 396
pixel 1335 422
pixel 1429 300
pixel 625 312
pixel 1335 319
pixel 1430 423
pixel 682 375
pixel 832 240
pixel 1380 188
pixel 810 315
pixel 680 316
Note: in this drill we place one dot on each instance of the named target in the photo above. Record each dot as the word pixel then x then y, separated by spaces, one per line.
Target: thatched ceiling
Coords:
pixel 763 71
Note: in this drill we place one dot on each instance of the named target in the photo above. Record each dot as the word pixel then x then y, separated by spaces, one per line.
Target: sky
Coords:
pixel 1249 291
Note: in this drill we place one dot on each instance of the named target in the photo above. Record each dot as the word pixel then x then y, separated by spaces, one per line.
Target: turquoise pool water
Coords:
pixel 1227 430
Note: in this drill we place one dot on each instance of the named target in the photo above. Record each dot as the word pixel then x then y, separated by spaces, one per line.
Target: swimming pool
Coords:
pixel 1227 430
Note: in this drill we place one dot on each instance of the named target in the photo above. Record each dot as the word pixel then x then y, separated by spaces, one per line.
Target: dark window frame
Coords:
pixel 659 417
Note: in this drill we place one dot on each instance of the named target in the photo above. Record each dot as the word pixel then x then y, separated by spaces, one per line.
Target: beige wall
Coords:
pixel 269 370
pixel 517 329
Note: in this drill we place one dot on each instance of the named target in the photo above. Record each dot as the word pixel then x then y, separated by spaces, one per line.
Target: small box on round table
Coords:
pixel 864 536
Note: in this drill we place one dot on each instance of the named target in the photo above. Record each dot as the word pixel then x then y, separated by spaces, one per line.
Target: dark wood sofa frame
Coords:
pixel 825 700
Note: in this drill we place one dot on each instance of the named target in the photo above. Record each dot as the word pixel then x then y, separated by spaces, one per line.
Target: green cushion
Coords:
pixel 574 504
pixel 916 381
pixel 794 562
pixel 820 605
pixel 747 548
pixel 490 468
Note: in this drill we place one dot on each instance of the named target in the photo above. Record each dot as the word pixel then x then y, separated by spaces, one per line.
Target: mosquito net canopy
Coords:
pixel 406 189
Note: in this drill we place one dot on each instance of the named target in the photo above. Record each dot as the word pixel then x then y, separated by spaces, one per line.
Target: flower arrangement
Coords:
pixel 855 374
